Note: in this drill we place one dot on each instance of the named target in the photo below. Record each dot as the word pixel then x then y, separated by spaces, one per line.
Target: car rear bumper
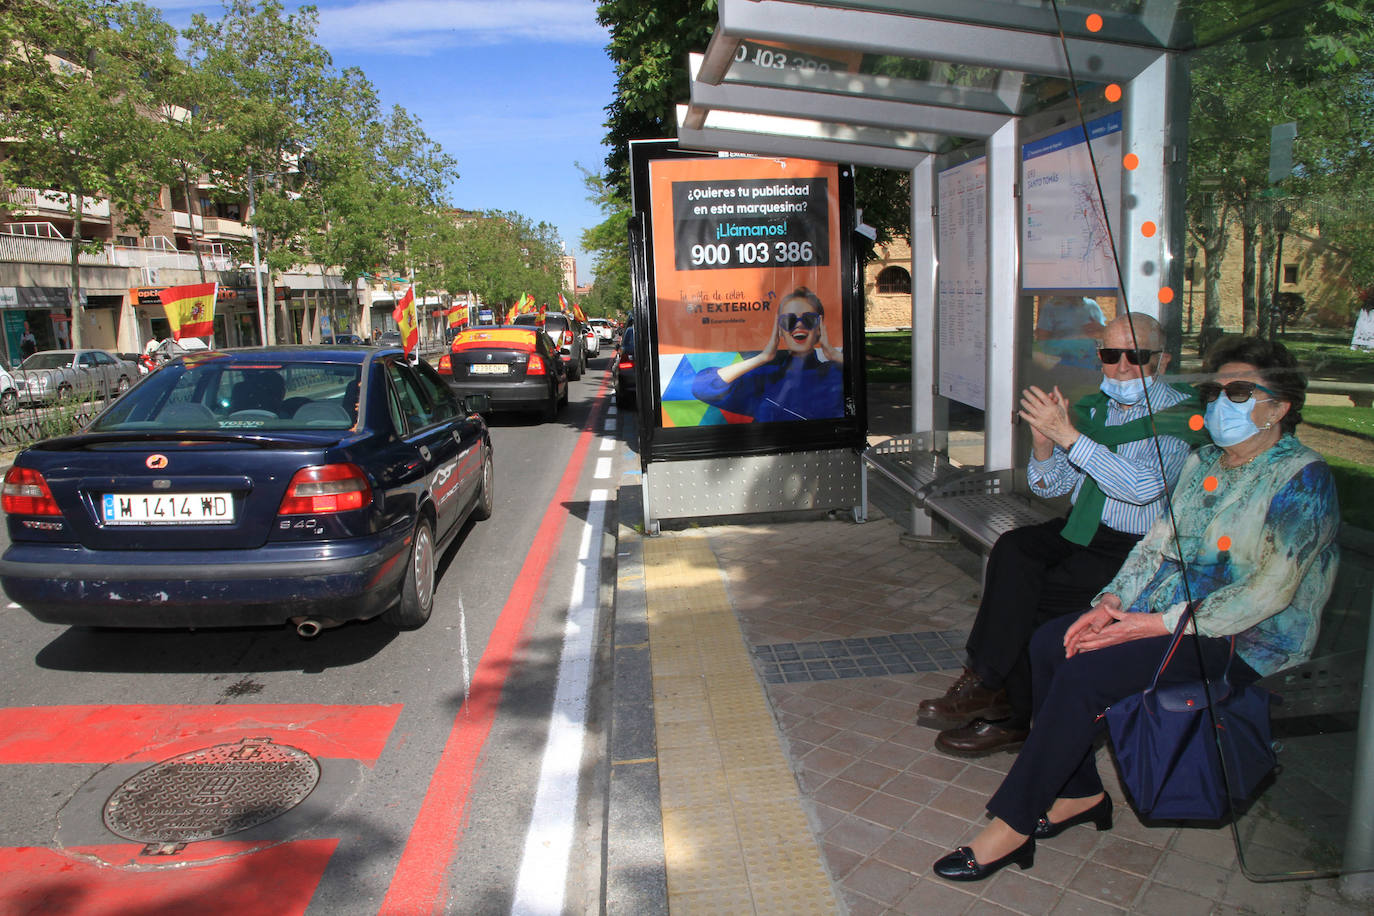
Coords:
pixel 340 581
pixel 522 395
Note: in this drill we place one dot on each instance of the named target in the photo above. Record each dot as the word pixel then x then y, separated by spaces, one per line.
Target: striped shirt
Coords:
pixel 1129 477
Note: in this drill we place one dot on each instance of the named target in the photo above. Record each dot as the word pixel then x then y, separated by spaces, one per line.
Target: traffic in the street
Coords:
pixel 200 765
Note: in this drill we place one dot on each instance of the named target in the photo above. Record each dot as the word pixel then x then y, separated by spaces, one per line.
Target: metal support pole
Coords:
pixel 1357 883
pixel 257 264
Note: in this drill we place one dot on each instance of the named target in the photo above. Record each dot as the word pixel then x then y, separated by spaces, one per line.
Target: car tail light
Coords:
pixel 26 493
pixel 326 488
pixel 626 363
pixel 445 365
pixel 536 366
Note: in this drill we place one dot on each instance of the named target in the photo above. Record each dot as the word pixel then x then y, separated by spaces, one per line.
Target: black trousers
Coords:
pixel 1034 576
pixel 1057 760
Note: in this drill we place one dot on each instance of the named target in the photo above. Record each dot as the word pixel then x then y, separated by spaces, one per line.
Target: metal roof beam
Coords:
pixel 772 144
pixel 802 24
pixel 799 103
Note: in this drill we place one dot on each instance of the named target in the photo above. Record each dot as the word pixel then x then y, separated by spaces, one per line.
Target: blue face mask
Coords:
pixel 1229 423
pixel 1129 392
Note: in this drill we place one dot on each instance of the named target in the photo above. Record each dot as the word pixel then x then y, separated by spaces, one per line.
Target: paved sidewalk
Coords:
pixel 766 757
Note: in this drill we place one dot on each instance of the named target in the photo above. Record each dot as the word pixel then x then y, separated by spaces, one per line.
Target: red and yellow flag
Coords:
pixel 575 310
pixel 404 314
pixel 513 311
pixel 457 316
pixel 190 309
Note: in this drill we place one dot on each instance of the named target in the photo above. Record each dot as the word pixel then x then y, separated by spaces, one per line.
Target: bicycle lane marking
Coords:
pixel 418 886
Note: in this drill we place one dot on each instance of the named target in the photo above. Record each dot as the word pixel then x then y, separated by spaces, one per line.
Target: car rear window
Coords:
pixel 221 394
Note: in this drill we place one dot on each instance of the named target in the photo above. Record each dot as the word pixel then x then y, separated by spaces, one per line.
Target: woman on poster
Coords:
pixel 787 379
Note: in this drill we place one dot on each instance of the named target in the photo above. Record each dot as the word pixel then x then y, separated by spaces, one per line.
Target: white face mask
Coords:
pixel 1130 392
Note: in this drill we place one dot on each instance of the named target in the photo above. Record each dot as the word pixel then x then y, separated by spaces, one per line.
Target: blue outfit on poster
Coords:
pixel 788 379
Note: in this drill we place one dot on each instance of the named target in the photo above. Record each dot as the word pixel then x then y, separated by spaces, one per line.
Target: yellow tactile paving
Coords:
pixel 734 834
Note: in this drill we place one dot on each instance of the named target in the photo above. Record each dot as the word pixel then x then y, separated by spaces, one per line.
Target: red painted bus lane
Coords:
pixel 421 876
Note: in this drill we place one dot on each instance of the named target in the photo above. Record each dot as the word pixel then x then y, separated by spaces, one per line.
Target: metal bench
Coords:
pixel 977 504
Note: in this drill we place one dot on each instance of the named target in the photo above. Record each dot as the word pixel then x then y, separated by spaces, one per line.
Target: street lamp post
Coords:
pixel 1192 278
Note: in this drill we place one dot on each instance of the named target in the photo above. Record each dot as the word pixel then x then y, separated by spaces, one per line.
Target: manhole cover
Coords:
pixel 212 792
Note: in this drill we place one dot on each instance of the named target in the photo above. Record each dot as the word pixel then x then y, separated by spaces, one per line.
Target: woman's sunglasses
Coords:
pixel 1239 392
pixel 1110 356
pixel 790 320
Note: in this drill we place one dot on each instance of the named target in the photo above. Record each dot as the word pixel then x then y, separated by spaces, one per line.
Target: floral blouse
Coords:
pixel 1259 544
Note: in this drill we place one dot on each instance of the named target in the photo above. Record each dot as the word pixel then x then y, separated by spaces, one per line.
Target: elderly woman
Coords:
pixel 1255 549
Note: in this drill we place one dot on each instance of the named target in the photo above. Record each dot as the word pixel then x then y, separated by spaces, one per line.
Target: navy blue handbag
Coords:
pixel 1166 741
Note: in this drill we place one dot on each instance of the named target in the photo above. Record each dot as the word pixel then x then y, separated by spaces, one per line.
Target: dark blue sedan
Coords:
pixel 251 487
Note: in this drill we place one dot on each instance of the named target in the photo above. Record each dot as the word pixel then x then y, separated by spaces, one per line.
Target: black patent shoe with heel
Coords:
pixel 960 865
pixel 1100 815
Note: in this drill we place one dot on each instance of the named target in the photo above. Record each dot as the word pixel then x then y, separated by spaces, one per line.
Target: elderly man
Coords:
pixel 1104 452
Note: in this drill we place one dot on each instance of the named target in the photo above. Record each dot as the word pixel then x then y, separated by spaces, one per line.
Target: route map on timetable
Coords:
pixel 963 280
pixel 1064 240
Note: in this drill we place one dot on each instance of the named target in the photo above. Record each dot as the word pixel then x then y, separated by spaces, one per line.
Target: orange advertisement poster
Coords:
pixel 747 269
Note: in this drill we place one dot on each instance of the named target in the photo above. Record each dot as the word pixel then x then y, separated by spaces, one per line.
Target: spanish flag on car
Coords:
pixel 190 309
pixel 404 314
pixel 457 316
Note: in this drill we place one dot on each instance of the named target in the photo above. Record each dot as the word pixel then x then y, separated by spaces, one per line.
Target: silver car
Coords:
pixel 60 375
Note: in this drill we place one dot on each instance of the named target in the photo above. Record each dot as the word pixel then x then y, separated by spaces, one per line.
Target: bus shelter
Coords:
pixel 1084 157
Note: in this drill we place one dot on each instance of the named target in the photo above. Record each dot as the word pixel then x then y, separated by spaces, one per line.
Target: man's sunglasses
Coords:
pixel 1240 392
pixel 790 320
pixel 1110 356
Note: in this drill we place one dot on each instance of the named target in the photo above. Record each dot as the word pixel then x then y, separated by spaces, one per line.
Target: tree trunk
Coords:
pixel 1249 231
pixel 1212 236
pixel 75 286
pixel 1266 286
pixel 191 215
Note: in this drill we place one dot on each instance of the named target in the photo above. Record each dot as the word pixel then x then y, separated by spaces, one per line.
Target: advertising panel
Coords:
pixel 748 266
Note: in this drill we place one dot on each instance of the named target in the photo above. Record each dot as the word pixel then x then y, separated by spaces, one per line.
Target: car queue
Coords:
pixel 303 485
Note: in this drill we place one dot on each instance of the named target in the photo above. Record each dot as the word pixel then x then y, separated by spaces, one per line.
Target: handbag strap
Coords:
pixel 1179 631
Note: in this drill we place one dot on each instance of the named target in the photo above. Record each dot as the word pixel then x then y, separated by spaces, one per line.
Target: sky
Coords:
pixel 514 90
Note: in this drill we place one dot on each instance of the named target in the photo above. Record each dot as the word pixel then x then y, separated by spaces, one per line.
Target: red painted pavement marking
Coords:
pixel 281 880
pixel 422 874
pixel 107 734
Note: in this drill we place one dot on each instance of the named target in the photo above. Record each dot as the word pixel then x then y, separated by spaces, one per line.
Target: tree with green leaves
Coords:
pixel 271 61
pixel 610 295
pixel 79 82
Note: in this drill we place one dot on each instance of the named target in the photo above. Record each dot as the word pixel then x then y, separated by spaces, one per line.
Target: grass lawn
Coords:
pixel 1328 356
pixel 889 357
pixel 1358 421
pixel 1355 490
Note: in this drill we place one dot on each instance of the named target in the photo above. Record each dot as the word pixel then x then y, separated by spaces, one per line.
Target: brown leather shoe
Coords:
pixel 966 700
pixel 980 738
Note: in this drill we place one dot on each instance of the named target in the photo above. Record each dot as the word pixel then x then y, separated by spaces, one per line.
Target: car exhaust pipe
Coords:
pixel 308 628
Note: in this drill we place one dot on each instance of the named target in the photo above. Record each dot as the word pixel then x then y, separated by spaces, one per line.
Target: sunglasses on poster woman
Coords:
pixel 808 320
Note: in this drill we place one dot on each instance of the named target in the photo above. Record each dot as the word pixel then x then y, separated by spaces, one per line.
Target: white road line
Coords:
pixel 609 425
pixel 610 410
pixel 607 443
pixel 603 469
pixel 539 888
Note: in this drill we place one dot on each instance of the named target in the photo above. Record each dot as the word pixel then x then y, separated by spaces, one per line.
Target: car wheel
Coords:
pixel 64 393
pixel 623 398
pixel 123 385
pixel 9 401
pixel 574 370
pixel 486 498
pixel 417 588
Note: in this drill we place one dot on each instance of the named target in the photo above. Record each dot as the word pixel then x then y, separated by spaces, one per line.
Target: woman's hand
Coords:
pixel 835 356
pixel 1090 623
pixel 1123 627
pixel 770 351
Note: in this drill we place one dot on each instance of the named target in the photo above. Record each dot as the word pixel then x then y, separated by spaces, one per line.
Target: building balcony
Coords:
pixel 53 204
pixel 211 226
